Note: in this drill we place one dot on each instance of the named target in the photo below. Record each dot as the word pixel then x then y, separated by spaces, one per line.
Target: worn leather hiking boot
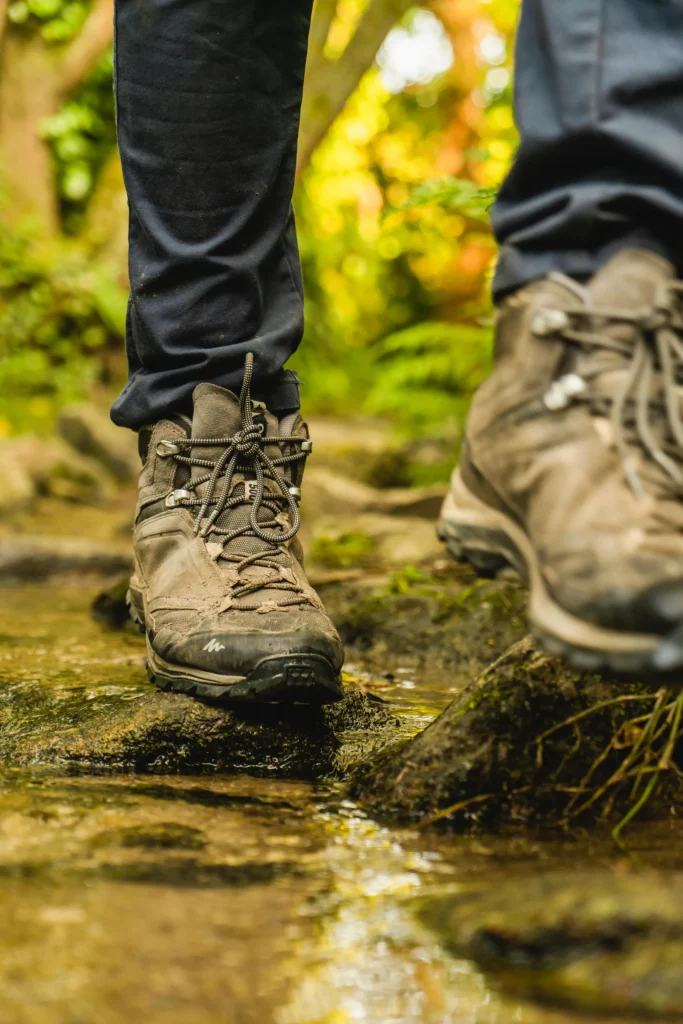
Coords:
pixel 219 586
pixel 572 465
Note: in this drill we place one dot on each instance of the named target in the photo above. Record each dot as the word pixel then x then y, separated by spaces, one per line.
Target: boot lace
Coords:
pixel 270 513
pixel 645 410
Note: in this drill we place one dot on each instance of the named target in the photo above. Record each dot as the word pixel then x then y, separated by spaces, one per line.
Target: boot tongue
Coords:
pixel 217 414
pixel 630 281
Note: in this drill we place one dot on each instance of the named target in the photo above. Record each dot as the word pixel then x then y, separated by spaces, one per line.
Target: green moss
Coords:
pixel 343 551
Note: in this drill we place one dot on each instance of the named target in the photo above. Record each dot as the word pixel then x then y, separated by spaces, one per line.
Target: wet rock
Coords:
pixel 350 447
pixel 594 942
pixel 110 607
pixel 377 541
pixel 40 558
pixel 33 466
pixel 58 470
pixel 331 493
pixel 369 450
pixel 165 835
pixel 18 490
pixel 510 747
pixel 89 430
pixel 159 733
pixel 418 502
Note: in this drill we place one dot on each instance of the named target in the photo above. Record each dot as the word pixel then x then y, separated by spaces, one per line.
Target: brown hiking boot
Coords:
pixel 219 586
pixel 572 465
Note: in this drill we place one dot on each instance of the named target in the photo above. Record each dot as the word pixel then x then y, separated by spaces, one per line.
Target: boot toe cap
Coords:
pixel 237 654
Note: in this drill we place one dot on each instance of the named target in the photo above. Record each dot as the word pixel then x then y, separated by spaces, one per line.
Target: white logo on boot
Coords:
pixel 213 645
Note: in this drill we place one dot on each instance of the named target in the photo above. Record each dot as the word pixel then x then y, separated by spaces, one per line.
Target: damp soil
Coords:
pixel 190 892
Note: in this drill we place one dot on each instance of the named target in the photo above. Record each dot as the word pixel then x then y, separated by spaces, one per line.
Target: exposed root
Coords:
pixel 649 742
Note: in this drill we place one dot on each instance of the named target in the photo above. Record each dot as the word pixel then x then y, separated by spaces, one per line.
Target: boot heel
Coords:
pixel 474 533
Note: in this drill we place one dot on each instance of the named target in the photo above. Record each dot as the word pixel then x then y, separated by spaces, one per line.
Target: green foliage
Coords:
pixel 410 582
pixel 427 373
pixel 58 313
pixel 454 194
pixel 343 551
pixel 57 21
pixel 395 259
pixel 82 135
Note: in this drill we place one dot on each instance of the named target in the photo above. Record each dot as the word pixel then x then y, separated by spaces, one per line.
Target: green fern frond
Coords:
pixel 426 373
pixel 454 194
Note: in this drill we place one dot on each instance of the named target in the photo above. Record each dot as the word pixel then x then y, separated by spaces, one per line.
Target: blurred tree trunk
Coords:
pixel 27 96
pixel 35 79
pixel 330 83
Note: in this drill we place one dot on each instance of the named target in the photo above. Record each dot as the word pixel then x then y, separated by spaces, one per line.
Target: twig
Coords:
pixel 647 792
pixel 618 775
pixel 591 710
pixel 665 761
pixel 454 808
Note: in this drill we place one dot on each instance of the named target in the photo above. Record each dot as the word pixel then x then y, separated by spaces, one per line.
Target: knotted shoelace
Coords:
pixel 646 409
pixel 244 453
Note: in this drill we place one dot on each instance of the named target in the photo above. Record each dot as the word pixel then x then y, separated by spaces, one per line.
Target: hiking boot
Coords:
pixel 219 586
pixel 572 464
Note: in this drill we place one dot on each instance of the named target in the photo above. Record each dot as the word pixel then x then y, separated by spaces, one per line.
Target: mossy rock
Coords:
pixel 162 733
pixel 513 746
pixel 591 941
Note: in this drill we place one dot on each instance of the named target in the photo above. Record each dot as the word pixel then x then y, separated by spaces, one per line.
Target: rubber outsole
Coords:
pixel 289 679
pixel 481 539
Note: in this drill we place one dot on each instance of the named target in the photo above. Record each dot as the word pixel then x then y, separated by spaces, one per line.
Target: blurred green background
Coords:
pixel 407 131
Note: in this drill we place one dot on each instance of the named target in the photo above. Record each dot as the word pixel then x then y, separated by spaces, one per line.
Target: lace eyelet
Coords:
pixel 549 321
pixel 167 448
pixel 561 392
pixel 176 498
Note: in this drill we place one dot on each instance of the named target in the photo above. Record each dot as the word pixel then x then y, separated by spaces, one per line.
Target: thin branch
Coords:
pixel 647 793
pixel 88 46
pixel 454 808
pixel 591 710
pixel 331 83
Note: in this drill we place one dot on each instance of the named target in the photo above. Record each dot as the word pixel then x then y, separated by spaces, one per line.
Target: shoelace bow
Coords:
pixel 646 409
pixel 243 453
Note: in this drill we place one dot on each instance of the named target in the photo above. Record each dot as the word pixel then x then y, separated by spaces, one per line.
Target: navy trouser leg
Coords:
pixel 208 100
pixel 599 104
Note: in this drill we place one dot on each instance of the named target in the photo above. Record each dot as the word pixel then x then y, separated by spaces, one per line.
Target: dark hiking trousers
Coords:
pixel 208 98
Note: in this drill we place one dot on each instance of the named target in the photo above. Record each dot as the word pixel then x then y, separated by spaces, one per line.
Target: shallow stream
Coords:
pixel 228 899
